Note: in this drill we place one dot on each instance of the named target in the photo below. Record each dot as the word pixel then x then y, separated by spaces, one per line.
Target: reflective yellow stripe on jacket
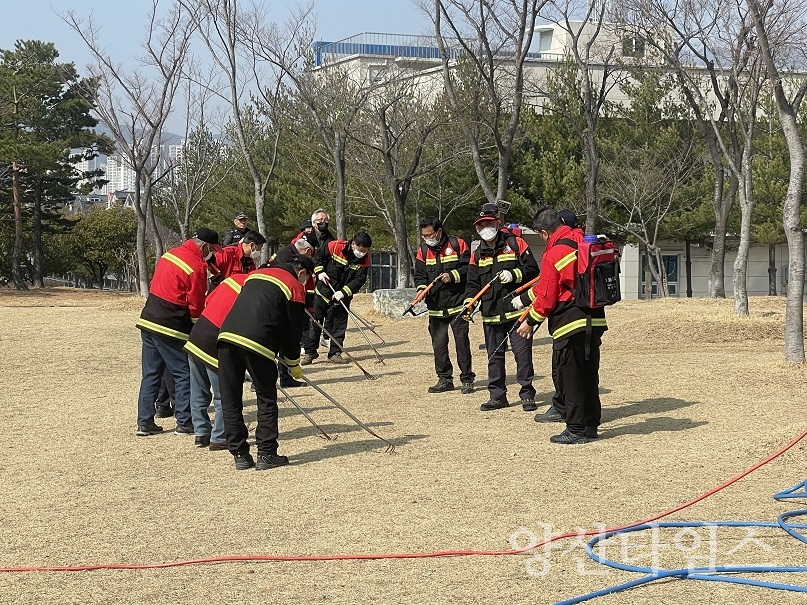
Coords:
pixel 273 280
pixel 246 343
pixel 578 324
pixel 192 349
pixel 171 258
pixel 153 327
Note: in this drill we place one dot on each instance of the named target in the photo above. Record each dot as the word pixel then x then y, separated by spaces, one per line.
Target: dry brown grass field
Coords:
pixel 692 396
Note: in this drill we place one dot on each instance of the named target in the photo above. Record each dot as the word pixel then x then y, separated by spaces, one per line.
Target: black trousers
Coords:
pixel 325 313
pixel 438 329
pixel 578 381
pixel 557 402
pixel 233 362
pixel 495 335
pixel 166 394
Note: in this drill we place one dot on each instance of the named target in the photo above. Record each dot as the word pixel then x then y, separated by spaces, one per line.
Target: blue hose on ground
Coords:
pixel 709 574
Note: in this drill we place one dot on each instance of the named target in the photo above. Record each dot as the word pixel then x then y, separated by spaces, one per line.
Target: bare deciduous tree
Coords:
pixel 720 72
pixel 135 104
pixel 202 165
pixel 399 123
pixel 780 30
pixel 332 94
pixel 253 87
pixel 587 75
pixel 494 38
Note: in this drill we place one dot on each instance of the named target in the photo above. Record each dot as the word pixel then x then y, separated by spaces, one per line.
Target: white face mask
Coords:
pixel 358 253
pixel 431 242
pixel 256 255
pixel 209 253
pixel 488 233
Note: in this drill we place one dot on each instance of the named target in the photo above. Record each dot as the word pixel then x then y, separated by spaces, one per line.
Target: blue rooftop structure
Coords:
pixel 390 45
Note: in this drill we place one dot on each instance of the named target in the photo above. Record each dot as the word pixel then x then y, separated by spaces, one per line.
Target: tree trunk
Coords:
pixel 159 248
pixel 661 278
pixel 401 242
pixel 592 175
pixel 142 257
pixel 16 259
pixel 794 308
pixel 339 202
pixel 722 205
pixel 688 265
pixel 771 269
pixel 648 275
pixel 740 275
pixel 258 191
pixel 37 272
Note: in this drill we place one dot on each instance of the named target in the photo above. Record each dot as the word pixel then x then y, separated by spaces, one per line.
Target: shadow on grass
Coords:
pixel 374 369
pixel 658 424
pixel 655 423
pixel 334 449
pixel 333 429
pixel 646 406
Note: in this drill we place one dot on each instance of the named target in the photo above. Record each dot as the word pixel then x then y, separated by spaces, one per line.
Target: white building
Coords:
pixel 369 58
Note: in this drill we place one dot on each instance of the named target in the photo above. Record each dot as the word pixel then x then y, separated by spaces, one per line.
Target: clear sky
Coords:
pixel 123 23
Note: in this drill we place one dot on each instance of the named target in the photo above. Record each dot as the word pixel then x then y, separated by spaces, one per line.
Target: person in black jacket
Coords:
pixel 320 236
pixel 263 326
pixel 285 255
pixel 233 236
pixel 504 261
pixel 341 267
pixel 444 258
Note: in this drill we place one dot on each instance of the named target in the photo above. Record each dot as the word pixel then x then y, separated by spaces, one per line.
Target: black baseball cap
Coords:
pixel 305 261
pixel 208 236
pixel 568 218
pixel 488 212
pixel 240 214
pixel 306 224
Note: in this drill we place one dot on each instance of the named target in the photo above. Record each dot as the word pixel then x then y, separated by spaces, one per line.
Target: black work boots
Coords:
pixel 443 385
pixel 267 461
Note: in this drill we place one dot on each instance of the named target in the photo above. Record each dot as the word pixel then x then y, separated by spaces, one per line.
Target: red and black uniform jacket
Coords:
pixel 283 256
pixel 347 272
pixel 177 294
pixel 232 260
pixel 553 294
pixel 268 316
pixel 205 333
pixel 508 252
pixel 450 256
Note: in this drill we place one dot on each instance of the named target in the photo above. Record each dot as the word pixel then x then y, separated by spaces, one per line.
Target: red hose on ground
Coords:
pixel 414 555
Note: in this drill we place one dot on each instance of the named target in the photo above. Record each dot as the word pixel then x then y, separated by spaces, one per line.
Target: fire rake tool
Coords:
pixel 390 446
pixel 367 374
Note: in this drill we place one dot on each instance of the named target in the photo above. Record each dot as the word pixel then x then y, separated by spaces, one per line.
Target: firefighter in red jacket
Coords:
pixel 176 300
pixel 341 267
pixel 242 257
pixel 203 362
pixel 504 261
pixel 263 327
pixel 445 258
pixel 576 332
pixel 303 248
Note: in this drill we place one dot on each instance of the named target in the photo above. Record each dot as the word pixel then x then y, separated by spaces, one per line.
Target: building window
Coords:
pixel 383 271
pixel 671 264
pixel 633 46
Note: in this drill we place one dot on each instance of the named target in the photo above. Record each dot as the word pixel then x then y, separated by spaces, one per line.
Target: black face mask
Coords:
pixel 322 227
